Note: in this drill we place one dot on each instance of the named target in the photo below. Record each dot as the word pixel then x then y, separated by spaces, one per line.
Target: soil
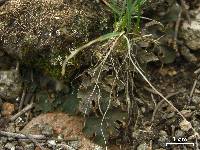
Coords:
pixel 176 79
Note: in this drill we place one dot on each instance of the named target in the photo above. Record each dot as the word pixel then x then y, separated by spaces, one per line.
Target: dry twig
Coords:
pixel 35 141
pixel 160 103
pixel 27 108
pixel 31 137
pixel 22 136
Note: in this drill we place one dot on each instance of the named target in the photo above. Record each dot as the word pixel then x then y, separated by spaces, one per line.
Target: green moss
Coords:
pixel 50 64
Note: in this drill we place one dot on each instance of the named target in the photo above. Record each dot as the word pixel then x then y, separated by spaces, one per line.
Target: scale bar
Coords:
pixel 180 144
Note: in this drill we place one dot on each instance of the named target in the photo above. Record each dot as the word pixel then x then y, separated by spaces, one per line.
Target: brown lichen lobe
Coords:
pixel 49 27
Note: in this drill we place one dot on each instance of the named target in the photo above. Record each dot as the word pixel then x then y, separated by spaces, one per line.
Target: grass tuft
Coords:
pixel 123 14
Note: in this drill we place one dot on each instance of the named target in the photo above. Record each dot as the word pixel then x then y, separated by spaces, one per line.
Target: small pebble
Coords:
pixel 143 109
pixel 60 137
pixel 163 138
pixel 30 146
pixel 11 127
pixel 74 144
pixel 52 142
pixel 179 133
pixel 170 115
pixel 196 99
pixel 10 146
pixel 185 125
pixel 186 113
pixel 142 146
pixel 97 147
pixel 46 129
pixel 4 139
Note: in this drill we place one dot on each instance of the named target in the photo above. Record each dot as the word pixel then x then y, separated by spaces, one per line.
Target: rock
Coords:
pixel 196 99
pixel 179 133
pixel 47 130
pixel 49 23
pixel 10 146
pixel 10 84
pixel 1 146
pixel 7 109
pixel 191 32
pixel 185 125
pixel 50 30
pixel 30 146
pixel 4 139
pixel 163 138
pixel 185 52
pixel 186 113
pixel 51 142
pixel 69 126
pixel 19 147
pixel 11 128
pixel 142 146
pixel 170 115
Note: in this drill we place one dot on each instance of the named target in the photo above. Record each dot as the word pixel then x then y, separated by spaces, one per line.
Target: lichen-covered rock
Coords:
pixel 191 32
pixel 10 84
pixel 42 32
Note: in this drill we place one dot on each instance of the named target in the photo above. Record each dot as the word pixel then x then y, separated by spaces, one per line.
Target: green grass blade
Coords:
pixel 137 9
pixel 128 14
pixel 99 39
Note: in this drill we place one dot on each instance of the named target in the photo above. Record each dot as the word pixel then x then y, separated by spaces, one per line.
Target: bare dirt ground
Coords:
pixel 103 101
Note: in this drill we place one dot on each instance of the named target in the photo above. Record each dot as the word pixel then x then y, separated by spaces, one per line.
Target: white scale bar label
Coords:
pixel 180 144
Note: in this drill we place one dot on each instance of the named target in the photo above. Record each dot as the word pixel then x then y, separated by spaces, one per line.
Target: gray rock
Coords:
pixel 196 99
pixel 74 144
pixel 163 138
pixel 30 146
pixel 51 30
pixel 3 140
pixel 11 128
pixel 142 146
pixel 46 129
pixel 179 133
pixel 19 147
pixel 53 25
pixel 191 32
pixel 10 146
pixel 51 143
pixel 170 115
pixel 10 84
